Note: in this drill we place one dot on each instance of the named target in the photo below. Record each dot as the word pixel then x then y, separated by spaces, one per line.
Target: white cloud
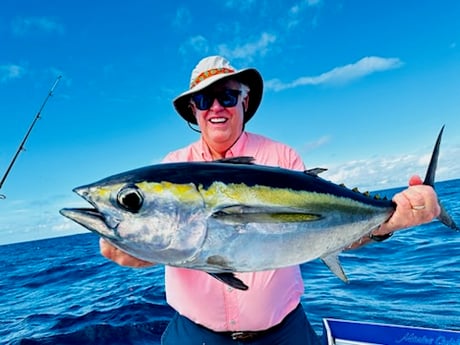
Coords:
pixel 183 18
pixel 197 44
pixel 242 5
pixel 341 75
pixel 11 71
pixel 384 172
pixel 247 51
pixel 22 220
pixel 295 12
pixel 315 144
pixel 26 25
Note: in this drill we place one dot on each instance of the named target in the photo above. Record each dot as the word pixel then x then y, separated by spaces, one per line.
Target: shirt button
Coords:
pixel 229 289
pixel 232 322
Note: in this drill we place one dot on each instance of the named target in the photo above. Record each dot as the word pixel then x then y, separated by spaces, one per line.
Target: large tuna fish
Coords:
pixel 231 216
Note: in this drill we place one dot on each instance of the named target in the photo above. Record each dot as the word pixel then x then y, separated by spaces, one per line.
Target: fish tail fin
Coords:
pixel 444 217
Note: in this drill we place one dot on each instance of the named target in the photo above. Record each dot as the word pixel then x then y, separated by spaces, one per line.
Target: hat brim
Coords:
pixel 249 76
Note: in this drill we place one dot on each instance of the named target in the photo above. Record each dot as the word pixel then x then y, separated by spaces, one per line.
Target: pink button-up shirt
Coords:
pixel 271 294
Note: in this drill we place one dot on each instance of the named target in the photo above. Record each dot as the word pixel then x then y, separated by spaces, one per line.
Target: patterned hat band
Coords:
pixel 209 73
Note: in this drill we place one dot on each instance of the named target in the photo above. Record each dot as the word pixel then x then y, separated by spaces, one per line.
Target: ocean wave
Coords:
pixel 102 334
pixel 127 324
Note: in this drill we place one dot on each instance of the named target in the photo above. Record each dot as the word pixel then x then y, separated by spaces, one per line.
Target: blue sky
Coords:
pixel 359 87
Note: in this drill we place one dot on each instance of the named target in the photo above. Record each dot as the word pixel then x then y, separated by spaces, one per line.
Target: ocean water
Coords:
pixel 62 291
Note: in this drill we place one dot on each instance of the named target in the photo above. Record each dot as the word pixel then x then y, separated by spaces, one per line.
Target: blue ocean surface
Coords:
pixel 62 291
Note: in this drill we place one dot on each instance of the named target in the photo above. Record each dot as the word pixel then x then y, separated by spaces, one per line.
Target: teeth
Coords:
pixel 218 120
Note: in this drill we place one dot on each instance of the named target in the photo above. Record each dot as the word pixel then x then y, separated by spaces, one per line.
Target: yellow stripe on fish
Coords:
pixel 220 193
pixel 183 192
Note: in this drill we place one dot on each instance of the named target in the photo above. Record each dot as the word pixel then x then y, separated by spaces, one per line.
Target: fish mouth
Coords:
pixel 91 219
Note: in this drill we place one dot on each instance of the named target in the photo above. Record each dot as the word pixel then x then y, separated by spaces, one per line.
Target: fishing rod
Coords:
pixel 21 146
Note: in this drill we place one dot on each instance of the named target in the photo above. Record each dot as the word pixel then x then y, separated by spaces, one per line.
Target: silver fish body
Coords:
pixel 224 217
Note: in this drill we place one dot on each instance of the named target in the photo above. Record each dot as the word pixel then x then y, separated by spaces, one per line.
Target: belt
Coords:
pixel 248 336
pixel 252 335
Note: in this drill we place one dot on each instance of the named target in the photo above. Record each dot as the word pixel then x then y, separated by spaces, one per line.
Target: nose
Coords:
pixel 216 106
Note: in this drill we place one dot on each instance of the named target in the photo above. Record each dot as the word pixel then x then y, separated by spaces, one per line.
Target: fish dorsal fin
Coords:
pixel 315 171
pixel 243 214
pixel 236 160
pixel 333 263
pixel 230 279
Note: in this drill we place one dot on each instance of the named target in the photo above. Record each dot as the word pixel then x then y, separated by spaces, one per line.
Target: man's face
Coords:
pixel 221 125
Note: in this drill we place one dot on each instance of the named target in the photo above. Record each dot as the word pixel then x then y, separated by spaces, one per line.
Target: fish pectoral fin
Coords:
pixel 230 279
pixel 333 263
pixel 242 214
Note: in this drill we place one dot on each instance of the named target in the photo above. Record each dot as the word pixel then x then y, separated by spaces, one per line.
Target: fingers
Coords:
pixel 112 253
pixel 415 205
pixel 415 180
pixel 414 198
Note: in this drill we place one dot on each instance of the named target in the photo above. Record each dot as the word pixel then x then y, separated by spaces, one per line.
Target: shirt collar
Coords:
pixel 237 149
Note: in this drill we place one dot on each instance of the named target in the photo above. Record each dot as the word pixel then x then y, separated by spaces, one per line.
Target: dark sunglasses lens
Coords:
pixel 226 98
pixel 202 101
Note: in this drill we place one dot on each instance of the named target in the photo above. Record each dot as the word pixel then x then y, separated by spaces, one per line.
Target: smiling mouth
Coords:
pixel 218 120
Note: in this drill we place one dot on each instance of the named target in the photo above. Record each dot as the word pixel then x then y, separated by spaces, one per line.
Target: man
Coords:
pixel 221 100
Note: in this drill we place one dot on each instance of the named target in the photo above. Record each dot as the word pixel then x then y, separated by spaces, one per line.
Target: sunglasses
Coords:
pixel 227 98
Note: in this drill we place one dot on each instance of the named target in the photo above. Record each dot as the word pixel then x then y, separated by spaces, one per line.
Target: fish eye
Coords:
pixel 130 198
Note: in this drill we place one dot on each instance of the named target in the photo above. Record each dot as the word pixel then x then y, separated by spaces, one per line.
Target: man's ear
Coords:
pixel 245 103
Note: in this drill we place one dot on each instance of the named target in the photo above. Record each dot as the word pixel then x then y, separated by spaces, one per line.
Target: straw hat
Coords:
pixel 215 68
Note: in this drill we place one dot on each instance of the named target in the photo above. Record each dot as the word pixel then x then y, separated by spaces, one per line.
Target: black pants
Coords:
pixel 293 330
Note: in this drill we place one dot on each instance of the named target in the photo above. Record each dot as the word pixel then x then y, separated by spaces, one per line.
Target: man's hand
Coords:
pixel 418 204
pixel 118 256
